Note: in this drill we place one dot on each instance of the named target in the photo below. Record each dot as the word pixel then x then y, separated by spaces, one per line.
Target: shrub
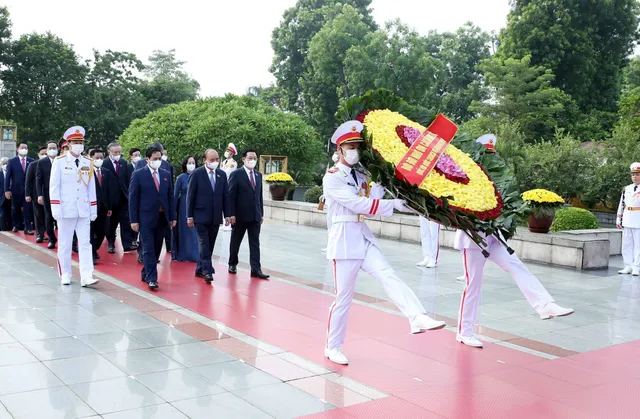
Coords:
pixel 313 194
pixel 574 219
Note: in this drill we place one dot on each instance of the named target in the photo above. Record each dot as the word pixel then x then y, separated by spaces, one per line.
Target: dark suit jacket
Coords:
pixel 246 204
pixel 103 192
pixel 43 175
pixel 30 181
pixel 145 200
pixel 15 178
pixel 205 205
pixel 122 178
pixel 1 192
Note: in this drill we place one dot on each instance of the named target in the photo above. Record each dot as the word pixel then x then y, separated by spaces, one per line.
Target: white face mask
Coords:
pixel 23 152
pixel 191 167
pixel 98 163
pixel 227 154
pixel 77 149
pixel 115 158
pixel 44 156
pixel 213 165
pixel 250 163
pixel 351 156
pixel 164 158
pixel 155 164
pixel 52 153
pixel 136 159
pixel 335 158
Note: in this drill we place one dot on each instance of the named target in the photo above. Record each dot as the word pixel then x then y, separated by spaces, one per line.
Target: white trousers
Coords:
pixel 430 239
pixel 631 247
pixel 82 228
pixel 345 272
pixel 474 262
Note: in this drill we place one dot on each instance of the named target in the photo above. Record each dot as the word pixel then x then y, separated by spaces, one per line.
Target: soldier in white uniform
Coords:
pixel 323 202
pixel 228 166
pixel 473 263
pixel 73 206
pixel 351 245
pixel 430 240
pixel 628 219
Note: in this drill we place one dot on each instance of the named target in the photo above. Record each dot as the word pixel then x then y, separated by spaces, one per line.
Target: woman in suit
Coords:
pixel 184 241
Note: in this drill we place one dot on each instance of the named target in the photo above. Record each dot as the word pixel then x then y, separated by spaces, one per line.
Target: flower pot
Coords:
pixel 278 192
pixel 540 224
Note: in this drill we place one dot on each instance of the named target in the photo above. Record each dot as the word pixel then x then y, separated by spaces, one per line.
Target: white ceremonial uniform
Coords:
pixel 629 219
pixel 474 262
pixel 352 247
pixel 430 239
pixel 73 204
pixel 229 165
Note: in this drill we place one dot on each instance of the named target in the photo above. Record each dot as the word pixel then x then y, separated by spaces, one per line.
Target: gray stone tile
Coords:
pixel 14 354
pixel 115 395
pixel 4 413
pixel 58 348
pixel 52 300
pixel 26 377
pixel 29 290
pixel 133 321
pixel 113 342
pixel 26 315
pixel 283 401
pixel 11 302
pixel 142 361
pixel 179 384
pixel 87 326
pixel 225 406
pixel 162 336
pixel 91 298
pixel 51 403
pixel 64 312
pixel 83 369
pixel 109 308
pixel 160 411
pixel 602 333
pixel 5 337
pixel 36 331
pixel 195 354
pixel 235 375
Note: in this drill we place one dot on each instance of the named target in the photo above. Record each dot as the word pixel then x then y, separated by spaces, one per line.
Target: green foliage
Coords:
pixel 313 194
pixel 193 126
pixel 574 219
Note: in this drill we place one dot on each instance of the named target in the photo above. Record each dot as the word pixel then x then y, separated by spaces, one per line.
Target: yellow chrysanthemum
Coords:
pixel 542 196
pixel 478 195
pixel 279 177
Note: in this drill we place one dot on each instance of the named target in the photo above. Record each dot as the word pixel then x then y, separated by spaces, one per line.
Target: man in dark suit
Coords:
pixel 43 176
pixel 246 206
pixel 151 208
pixel 134 157
pixel 120 201
pixel 207 200
pixel 104 180
pixel 165 160
pixel 14 183
pixel 31 195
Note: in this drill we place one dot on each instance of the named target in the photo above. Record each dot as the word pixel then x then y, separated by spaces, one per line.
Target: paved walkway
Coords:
pixel 246 348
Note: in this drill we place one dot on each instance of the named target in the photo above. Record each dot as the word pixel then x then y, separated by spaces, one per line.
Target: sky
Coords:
pixel 226 43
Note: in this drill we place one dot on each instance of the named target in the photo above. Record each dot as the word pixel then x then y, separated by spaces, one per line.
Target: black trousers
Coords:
pixel 120 215
pixel 38 217
pixel 8 219
pixel 237 235
pixel 152 237
pixel 49 222
pixel 20 213
pixel 99 230
pixel 207 234
pixel 167 238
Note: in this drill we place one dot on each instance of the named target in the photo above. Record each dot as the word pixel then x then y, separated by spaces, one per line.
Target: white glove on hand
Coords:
pixel 401 205
pixel 93 217
pixel 377 191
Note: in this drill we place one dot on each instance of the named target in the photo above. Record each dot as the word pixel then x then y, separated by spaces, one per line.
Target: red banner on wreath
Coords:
pixel 424 153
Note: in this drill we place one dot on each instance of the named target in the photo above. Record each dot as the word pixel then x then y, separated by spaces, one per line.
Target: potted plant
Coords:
pixel 279 184
pixel 542 204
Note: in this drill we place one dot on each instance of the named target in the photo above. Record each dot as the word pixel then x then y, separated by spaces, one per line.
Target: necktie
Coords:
pixel 115 165
pixel 355 177
pixel 77 162
pixel 24 165
pixel 99 178
pixel 212 179
pixel 253 181
pixel 156 181
pixel 635 188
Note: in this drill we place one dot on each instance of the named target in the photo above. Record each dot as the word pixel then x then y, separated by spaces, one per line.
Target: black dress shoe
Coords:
pixel 96 256
pixel 200 275
pixel 29 232
pixel 140 259
pixel 95 260
pixel 233 269
pixel 112 248
pixel 39 239
pixel 153 285
pixel 14 229
pixel 208 278
pixel 259 275
pixel 51 245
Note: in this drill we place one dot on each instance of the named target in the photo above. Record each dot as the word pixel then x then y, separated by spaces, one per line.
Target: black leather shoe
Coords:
pixel 51 245
pixel 153 285
pixel 140 259
pixel 112 248
pixel 29 232
pixel 233 269
pixel 39 239
pixel 208 278
pixel 96 256
pixel 95 260
pixel 259 275
pixel 200 275
pixel 14 229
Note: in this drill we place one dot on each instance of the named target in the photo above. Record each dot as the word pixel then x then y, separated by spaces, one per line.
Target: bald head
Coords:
pixel 210 155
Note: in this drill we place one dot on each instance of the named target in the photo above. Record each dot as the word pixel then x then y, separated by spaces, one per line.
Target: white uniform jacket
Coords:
pixel 72 189
pixel 228 166
pixel 629 208
pixel 347 200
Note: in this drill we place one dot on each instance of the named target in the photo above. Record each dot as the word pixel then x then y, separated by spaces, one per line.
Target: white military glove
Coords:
pixel 93 217
pixel 401 205
pixel 377 191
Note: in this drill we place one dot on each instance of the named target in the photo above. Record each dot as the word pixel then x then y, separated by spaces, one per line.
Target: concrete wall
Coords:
pixel 577 249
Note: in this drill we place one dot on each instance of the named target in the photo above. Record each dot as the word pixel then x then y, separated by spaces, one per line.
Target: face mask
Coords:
pixel 250 163
pixel 351 156
pixel 115 158
pixel 335 158
pixel 77 149
pixel 52 153
pixel 164 158
pixel 191 167
pixel 23 151
pixel 227 154
pixel 44 156
pixel 97 163
pixel 136 159
pixel 213 165
pixel 155 164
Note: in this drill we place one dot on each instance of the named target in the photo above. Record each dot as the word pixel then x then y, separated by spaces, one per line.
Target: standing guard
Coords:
pixel 628 220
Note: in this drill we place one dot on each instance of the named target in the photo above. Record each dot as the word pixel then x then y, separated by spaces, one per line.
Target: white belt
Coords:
pixel 346 219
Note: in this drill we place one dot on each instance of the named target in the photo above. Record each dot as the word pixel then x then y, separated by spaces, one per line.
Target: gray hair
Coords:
pixel 4 160
pixel 113 144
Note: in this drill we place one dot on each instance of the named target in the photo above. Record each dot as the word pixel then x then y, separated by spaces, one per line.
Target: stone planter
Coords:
pixel 540 224
pixel 278 192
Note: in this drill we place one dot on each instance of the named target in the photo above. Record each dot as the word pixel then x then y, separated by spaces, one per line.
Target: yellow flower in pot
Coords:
pixel 279 184
pixel 542 204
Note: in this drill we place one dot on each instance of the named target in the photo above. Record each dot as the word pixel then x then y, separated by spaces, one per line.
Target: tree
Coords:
pixel 193 126
pixel 270 95
pixel 585 44
pixel 167 81
pixel 290 41
pixel 522 93
pixel 5 33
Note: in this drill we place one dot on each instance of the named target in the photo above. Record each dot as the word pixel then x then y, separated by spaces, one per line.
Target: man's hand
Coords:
pixel 173 223
pixel 27 198
pixel 232 220
pixel 227 221
pixel 93 217
pixel 7 195
pixel 41 200
pixel 401 205
pixel 109 213
pixel 135 227
pixel 190 222
pixel 619 226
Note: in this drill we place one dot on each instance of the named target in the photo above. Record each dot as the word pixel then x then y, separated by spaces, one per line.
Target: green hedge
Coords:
pixel 313 194
pixel 574 219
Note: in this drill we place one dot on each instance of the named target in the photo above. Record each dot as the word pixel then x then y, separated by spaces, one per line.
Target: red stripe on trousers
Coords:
pixel 464 294
pixel 333 305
